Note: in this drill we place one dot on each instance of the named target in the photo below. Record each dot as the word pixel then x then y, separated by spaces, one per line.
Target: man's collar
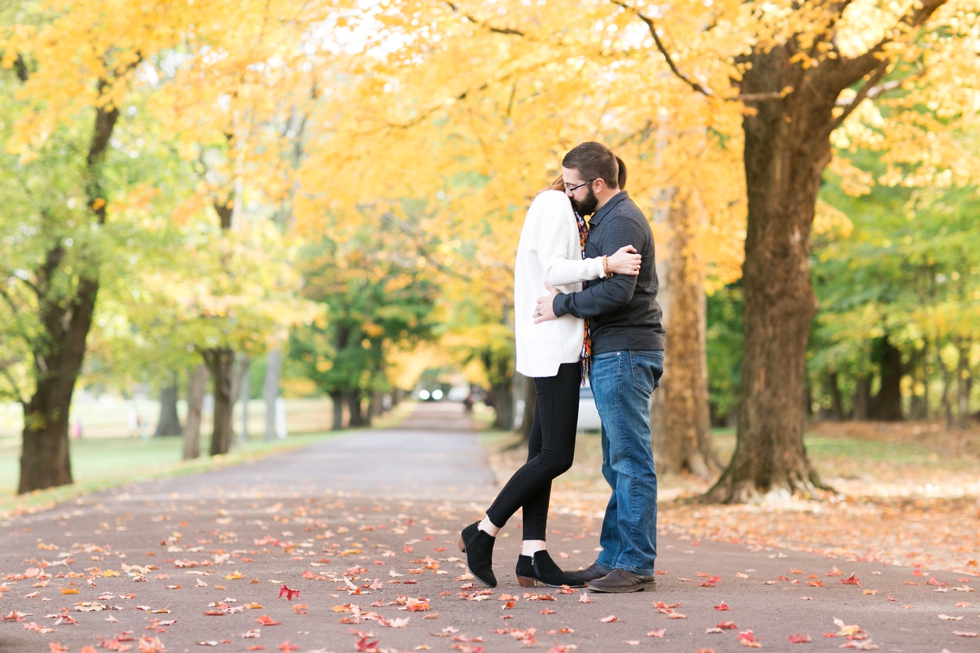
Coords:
pixel 607 207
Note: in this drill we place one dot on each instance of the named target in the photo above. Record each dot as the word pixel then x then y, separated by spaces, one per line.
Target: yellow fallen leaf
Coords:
pixel 845 630
pixel 69 590
pixel 869 592
pixel 220 587
pixel 109 573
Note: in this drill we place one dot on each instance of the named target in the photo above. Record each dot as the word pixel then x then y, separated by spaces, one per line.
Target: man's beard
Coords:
pixel 588 205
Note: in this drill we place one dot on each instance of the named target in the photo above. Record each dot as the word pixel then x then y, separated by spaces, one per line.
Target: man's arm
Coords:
pixel 608 294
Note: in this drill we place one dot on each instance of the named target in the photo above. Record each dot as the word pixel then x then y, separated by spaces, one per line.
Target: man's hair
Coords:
pixel 593 161
pixel 622 174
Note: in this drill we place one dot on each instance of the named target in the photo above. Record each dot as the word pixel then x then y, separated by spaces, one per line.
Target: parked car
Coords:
pixel 588 414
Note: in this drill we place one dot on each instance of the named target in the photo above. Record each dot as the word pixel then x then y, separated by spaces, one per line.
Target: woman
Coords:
pixel 550 250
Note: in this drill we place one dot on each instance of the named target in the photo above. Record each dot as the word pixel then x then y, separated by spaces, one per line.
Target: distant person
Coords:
pixel 627 363
pixel 550 250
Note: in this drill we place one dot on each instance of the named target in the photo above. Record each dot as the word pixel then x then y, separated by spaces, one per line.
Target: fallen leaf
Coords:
pixel 69 590
pixel 657 633
pixel 722 607
pixel 266 620
pixel 726 625
pixel 799 639
pixel 584 598
pixel 946 617
pixel 289 593
pixel 747 638
pixel 608 620
pixel 846 630
pixel 851 580
pixel 960 633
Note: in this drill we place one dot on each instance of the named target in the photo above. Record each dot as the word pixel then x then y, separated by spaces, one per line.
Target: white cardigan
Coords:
pixel 549 251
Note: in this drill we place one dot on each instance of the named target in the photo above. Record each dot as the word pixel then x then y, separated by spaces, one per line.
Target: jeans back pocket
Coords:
pixel 648 368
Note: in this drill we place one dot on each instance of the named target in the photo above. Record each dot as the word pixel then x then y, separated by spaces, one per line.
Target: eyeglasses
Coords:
pixel 572 189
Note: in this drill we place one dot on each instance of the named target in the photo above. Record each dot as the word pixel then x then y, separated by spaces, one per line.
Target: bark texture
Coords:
pixel 530 396
pixel 786 148
pixel 686 415
pixel 169 422
pixel 196 387
pixel 887 404
pixel 221 364
pixel 338 411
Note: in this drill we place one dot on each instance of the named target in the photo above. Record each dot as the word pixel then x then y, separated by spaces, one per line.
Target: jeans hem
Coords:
pixel 636 570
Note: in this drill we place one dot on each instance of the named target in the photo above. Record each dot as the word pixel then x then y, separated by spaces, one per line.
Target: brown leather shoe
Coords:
pixel 620 580
pixel 588 575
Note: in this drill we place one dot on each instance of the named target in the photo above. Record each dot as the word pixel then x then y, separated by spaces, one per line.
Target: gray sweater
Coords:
pixel 623 310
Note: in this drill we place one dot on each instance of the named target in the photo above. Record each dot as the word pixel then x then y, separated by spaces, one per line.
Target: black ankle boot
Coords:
pixel 478 547
pixel 525 570
pixel 548 574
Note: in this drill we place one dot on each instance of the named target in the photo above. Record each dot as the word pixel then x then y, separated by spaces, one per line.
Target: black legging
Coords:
pixel 551 448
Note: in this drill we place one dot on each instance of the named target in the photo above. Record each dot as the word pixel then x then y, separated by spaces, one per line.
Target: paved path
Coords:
pixel 364 526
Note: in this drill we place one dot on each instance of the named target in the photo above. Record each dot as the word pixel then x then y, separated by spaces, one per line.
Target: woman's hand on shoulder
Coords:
pixel 625 261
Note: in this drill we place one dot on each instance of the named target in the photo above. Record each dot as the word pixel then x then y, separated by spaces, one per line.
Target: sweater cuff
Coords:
pixel 560 304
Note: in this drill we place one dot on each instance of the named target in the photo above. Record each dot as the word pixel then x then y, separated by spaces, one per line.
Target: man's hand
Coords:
pixel 545 311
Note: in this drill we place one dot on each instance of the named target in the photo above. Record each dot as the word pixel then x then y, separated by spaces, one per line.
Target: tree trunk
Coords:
pixel 59 350
pixel 270 390
pixel 686 417
pixel 169 422
pixel 836 399
pixel 861 403
pixel 221 364
pixel 353 399
pixel 338 411
pixel 786 151
pixel 964 383
pixel 503 406
pixel 887 404
pixel 196 388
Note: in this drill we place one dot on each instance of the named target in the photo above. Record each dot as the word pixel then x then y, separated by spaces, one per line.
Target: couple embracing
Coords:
pixel 585 298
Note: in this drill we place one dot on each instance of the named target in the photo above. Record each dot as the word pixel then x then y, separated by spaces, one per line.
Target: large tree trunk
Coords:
pixel 270 390
pixel 861 402
pixel 503 406
pixel 338 411
pixel 59 350
pixel 686 418
pixel 786 151
pixel 794 111
pixel 169 422
pixel 196 387
pixel 221 364
pixel 887 403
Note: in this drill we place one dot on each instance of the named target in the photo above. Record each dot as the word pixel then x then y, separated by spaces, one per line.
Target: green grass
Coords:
pixel 99 463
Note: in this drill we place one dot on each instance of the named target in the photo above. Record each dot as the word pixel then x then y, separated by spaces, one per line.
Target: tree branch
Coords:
pixel 882 88
pixel 484 24
pixel 663 49
pixel 862 94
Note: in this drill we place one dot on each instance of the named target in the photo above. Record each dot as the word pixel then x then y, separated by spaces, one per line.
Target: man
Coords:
pixel 627 363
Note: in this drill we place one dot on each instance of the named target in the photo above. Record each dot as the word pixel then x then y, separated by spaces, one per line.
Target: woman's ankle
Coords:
pixel 488 527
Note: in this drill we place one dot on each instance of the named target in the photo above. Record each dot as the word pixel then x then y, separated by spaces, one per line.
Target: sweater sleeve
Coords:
pixel 610 293
pixel 553 215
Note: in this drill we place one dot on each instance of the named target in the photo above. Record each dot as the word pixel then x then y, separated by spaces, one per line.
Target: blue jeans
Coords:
pixel 622 382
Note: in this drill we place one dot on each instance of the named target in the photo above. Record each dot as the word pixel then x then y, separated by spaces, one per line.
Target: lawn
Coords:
pixel 905 493
pixel 102 462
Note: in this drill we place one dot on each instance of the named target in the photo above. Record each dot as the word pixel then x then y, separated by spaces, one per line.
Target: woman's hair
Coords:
pixel 557 184
pixel 621 177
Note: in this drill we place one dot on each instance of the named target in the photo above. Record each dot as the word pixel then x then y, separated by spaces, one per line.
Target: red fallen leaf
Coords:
pixel 917 572
pixel 835 572
pixel 722 607
pixel 14 615
pixel 726 625
pixel 799 639
pixel 286 646
pixel 747 638
pixel 608 620
pixel 657 633
pixel 815 583
pixel 257 647
pixel 301 608
pixel 266 620
pixel 365 645
pixel 547 611
pixel 408 548
pixel 911 582
pixel 215 613
pixel 57 647
pixel 290 594
pixel 891 598
pixel 89 649
pixel 851 580
pixel 705 650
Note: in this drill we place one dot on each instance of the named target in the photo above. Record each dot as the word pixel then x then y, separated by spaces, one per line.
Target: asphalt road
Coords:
pixel 364 527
